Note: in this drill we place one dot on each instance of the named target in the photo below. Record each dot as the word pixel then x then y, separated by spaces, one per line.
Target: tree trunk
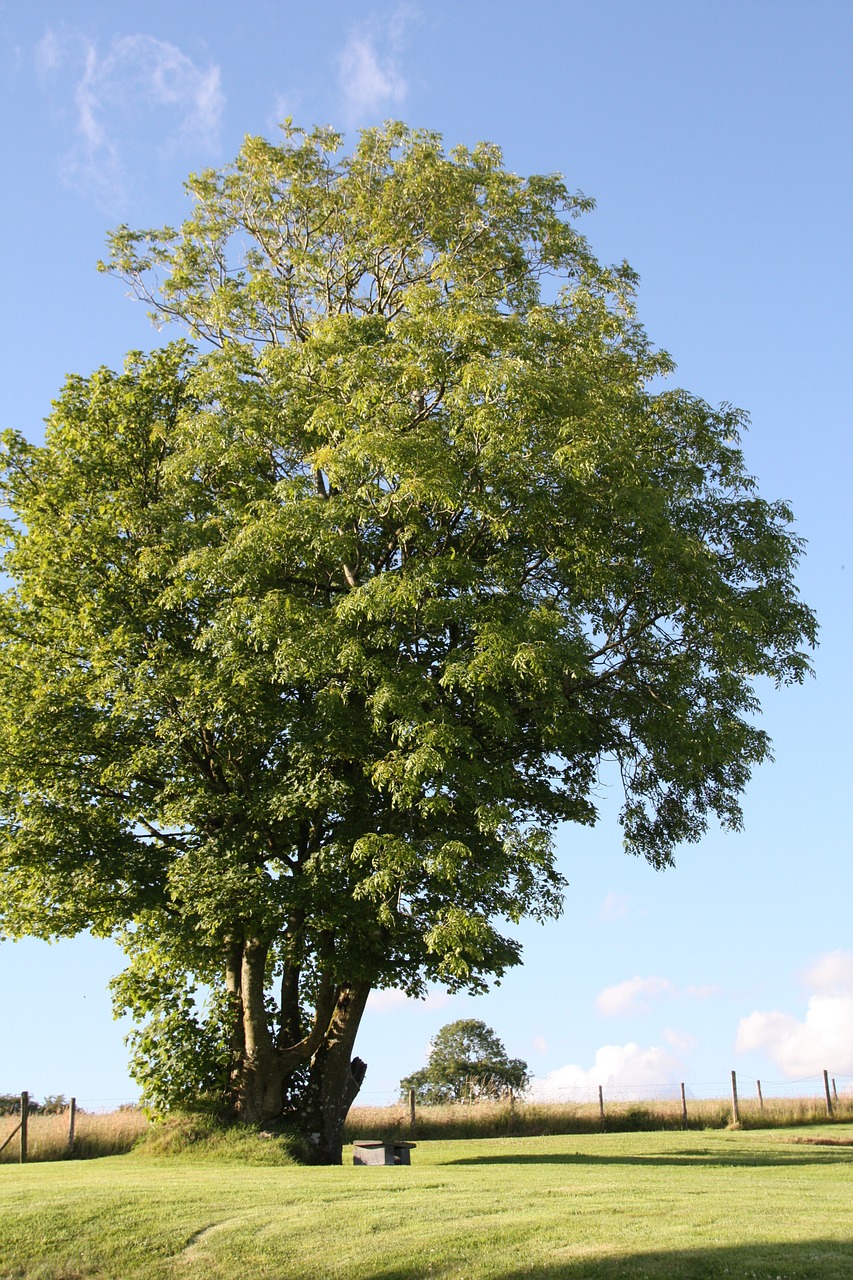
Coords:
pixel 260 1091
pixel 334 1078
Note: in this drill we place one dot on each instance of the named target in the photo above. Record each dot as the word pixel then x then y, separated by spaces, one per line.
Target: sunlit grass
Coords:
pixel 640 1206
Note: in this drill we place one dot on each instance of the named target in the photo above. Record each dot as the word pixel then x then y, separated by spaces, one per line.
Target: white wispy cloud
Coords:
pixel 831 974
pixel 821 1040
pixel 48 53
pixel 613 908
pixel 636 995
pixel 113 91
pixel 624 1065
pixel 540 1044
pixel 681 1041
pixel 632 996
pixel 392 999
pixel 284 105
pixel 369 69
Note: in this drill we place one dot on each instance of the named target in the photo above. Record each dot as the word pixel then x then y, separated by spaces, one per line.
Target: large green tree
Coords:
pixel 319 627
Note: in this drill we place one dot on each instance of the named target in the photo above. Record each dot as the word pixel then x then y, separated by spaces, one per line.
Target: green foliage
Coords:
pixel 314 636
pixel 180 1055
pixel 466 1062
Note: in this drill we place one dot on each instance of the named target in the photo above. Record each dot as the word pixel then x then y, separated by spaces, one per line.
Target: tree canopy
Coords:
pixel 466 1062
pixel 320 624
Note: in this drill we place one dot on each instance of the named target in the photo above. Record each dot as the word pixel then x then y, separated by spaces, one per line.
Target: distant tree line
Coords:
pixel 53 1105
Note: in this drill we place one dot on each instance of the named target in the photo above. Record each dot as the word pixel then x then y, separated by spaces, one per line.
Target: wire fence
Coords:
pixel 812 1086
pixel 740 1102
pixel 51 1104
pixel 541 1091
pixel 58 1128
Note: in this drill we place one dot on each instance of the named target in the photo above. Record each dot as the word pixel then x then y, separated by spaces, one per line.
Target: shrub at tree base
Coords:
pixel 201 1138
pixel 316 632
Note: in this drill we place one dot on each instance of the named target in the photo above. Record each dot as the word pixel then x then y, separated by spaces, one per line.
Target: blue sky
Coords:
pixel 716 140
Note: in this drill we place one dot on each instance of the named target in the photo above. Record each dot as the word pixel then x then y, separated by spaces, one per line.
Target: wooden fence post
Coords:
pixel 735 1110
pixel 760 1095
pixel 72 1120
pixel 25 1111
pixel 834 1091
pixel 826 1091
pixel 683 1107
pixel 412 1113
pixel 601 1105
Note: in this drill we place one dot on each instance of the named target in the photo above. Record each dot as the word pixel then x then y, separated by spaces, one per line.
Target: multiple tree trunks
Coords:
pixel 262 1068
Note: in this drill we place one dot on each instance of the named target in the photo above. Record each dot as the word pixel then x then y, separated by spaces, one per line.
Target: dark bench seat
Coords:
pixel 382 1152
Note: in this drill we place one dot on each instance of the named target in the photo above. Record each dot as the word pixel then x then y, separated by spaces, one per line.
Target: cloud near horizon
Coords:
pixel 627 1067
pixel 683 1042
pixel 112 89
pixel 823 1040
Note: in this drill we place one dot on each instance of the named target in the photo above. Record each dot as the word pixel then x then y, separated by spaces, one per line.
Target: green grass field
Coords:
pixel 729 1204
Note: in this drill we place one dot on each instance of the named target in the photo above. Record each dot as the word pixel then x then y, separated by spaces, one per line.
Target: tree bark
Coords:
pixel 233 984
pixel 335 1078
pixel 261 1083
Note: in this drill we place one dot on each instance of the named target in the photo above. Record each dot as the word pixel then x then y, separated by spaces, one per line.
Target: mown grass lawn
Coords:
pixel 727 1204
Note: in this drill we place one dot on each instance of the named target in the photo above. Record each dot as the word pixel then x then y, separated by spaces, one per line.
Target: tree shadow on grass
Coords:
pixel 804 1260
pixel 678 1160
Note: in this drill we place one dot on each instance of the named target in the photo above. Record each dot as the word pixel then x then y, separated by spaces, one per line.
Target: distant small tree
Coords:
pixel 466 1060
pixel 54 1104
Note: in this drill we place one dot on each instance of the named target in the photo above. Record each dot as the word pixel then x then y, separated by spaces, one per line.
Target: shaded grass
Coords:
pixel 685 1206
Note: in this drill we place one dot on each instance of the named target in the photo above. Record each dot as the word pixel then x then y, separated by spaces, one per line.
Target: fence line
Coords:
pixel 605 1109
pixel 735 1104
pixel 27 1108
pixel 824 1087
